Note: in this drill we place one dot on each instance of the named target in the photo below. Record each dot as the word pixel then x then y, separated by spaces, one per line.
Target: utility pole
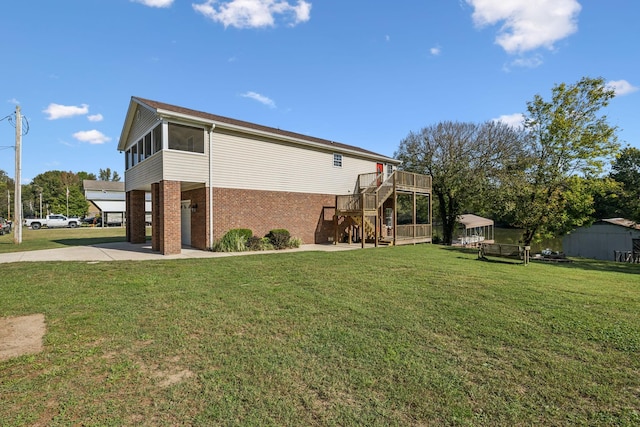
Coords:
pixel 17 199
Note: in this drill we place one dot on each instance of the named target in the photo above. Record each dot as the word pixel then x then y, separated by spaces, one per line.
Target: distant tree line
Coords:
pixel 50 191
pixel 547 177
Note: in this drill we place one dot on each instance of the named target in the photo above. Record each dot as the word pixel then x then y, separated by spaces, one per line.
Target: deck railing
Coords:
pixel 356 202
pixel 415 180
pixel 368 182
pixel 413 231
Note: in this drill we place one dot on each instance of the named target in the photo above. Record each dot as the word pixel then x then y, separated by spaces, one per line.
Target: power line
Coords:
pixel 11 119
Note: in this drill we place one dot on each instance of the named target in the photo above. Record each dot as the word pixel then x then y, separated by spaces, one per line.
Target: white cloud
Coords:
pixel 435 51
pixel 155 3
pixel 95 118
pixel 260 98
pixel 13 101
pixel 91 136
pixel 57 111
pixel 527 25
pixel 621 87
pixel 514 120
pixel 525 62
pixel 253 13
pixel 387 37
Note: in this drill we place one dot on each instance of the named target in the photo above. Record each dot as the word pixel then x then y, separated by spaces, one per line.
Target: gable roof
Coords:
pixel 627 223
pixel 472 221
pixel 162 108
pixel 92 185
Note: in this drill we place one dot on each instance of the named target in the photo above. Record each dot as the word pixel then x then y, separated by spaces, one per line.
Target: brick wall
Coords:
pixel 307 216
pixel 155 217
pixel 136 226
pixel 199 217
pixel 169 213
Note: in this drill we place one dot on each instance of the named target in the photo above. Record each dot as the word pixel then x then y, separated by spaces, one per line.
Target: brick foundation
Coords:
pixel 136 226
pixel 170 239
pixel 306 216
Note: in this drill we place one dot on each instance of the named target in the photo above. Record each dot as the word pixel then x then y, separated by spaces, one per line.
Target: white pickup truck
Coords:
pixel 52 221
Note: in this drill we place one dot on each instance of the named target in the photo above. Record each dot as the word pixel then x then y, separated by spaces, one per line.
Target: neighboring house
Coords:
pixel 613 239
pixel 208 174
pixel 107 200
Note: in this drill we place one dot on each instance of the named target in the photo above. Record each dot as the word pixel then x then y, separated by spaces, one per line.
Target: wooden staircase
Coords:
pixel 364 208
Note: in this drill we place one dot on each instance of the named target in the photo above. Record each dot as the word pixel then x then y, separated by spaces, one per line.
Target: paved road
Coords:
pixel 122 251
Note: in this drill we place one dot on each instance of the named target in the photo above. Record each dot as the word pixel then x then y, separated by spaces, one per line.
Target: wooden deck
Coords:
pixel 366 208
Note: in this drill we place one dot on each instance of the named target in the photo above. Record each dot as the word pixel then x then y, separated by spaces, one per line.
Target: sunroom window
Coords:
pixel 186 138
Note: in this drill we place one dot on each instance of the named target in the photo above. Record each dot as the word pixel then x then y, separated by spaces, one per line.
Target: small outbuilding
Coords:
pixel 475 229
pixel 612 239
pixel 107 199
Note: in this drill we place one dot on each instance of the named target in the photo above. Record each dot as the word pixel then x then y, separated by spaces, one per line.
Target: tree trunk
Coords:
pixel 448 215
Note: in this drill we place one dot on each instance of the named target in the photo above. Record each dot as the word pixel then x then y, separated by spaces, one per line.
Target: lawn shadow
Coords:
pixel 88 241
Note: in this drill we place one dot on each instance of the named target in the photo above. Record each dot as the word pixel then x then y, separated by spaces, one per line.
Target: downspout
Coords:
pixel 213 126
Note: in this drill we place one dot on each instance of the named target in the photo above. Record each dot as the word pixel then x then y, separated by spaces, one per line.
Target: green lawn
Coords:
pixel 46 238
pixel 416 335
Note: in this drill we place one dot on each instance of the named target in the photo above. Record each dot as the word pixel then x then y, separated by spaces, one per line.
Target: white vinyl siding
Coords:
pixel 168 166
pixel 144 174
pixel 142 124
pixel 185 166
pixel 253 164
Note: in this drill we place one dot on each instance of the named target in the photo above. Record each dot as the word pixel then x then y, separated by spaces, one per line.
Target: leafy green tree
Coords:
pixel 53 185
pixel 86 175
pixel 7 188
pixel 626 171
pixel 608 198
pixel 567 137
pixel 462 159
pixel 107 175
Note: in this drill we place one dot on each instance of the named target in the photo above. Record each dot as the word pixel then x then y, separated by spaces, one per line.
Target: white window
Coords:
pixel 337 160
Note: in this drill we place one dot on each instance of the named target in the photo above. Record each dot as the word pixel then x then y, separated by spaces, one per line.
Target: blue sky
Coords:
pixel 364 73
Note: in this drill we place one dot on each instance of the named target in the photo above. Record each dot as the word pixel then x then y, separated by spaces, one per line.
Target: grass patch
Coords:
pixel 52 238
pixel 414 335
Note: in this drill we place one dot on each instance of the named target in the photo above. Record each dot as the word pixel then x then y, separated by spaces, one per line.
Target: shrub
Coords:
pixel 279 238
pixel 295 242
pixel 259 244
pixel 247 233
pixel 233 241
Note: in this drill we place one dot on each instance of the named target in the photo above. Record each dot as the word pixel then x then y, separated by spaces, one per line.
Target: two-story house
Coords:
pixel 208 174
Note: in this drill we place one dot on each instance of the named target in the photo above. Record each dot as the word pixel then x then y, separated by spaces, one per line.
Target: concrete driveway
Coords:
pixel 123 251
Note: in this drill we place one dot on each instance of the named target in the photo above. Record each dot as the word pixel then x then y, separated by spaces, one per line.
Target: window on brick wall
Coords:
pixel 337 160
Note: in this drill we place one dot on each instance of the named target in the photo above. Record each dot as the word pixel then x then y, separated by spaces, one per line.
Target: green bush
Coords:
pixel 256 243
pixel 233 241
pixel 279 238
pixel 295 242
pixel 247 233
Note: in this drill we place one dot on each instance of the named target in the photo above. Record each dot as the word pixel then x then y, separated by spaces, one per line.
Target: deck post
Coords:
pixel 395 210
pixel 376 224
pixel 362 230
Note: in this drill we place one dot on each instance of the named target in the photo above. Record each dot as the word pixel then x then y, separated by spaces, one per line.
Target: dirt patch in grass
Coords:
pixel 21 335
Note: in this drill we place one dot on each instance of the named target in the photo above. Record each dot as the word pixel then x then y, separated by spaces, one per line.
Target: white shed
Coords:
pixel 475 229
pixel 612 239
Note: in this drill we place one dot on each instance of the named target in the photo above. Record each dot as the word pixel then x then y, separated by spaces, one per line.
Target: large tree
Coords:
pixel 463 159
pixel 626 171
pixel 568 144
pixel 7 188
pixel 58 190
pixel 107 175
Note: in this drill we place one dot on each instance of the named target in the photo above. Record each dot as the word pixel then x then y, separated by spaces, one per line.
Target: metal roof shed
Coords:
pixel 476 229
pixel 610 239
